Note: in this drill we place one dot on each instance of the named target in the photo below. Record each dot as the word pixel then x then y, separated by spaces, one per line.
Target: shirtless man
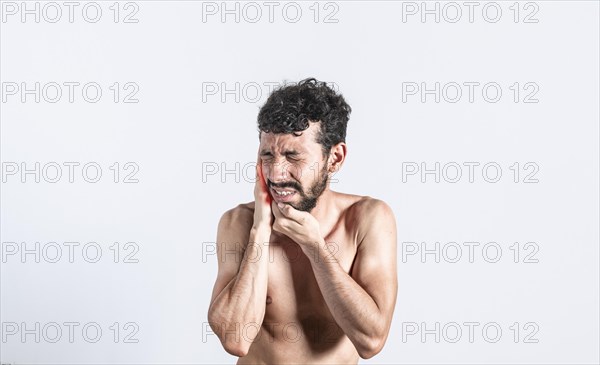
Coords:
pixel 306 275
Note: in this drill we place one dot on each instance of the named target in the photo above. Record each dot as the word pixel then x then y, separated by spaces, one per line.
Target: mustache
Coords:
pixel 283 185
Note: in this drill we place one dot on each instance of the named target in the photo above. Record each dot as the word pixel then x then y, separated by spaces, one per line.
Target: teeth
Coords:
pixel 284 193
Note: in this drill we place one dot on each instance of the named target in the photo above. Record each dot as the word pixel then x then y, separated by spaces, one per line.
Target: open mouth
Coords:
pixel 281 195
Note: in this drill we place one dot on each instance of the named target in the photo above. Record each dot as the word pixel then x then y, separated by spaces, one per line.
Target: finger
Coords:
pixel 276 212
pixel 261 181
pixel 286 223
pixel 289 212
pixel 286 226
pixel 258 172
pixel 258 167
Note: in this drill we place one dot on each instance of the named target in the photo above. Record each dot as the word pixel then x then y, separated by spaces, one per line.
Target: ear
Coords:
pixel 337 156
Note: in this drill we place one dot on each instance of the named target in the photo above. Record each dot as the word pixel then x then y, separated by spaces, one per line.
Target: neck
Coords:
pixel 323 208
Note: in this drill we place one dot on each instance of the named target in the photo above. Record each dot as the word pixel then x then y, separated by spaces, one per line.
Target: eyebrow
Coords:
pixel 286 153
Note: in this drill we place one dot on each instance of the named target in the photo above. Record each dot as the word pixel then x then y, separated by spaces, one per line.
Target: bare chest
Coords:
pixel 293 291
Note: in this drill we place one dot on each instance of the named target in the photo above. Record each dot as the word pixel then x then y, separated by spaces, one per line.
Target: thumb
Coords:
pixel 289 211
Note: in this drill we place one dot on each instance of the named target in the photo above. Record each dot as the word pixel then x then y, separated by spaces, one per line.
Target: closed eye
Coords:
pixel 292 155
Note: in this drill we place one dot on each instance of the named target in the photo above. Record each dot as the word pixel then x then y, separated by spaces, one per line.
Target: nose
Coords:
pixel 278 171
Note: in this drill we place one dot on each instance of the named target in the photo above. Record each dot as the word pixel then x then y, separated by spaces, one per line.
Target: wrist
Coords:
pixel 316 250
pixel 261 228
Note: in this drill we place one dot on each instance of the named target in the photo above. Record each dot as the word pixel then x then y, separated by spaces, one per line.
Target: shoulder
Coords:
pixel 240 216
pixel 369 214
pixel 369 204
pixel 366 207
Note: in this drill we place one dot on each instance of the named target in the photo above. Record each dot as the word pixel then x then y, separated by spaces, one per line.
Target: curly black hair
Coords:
pixel 291 107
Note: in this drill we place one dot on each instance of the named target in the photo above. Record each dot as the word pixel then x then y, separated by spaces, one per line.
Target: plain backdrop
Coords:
pixel 517 252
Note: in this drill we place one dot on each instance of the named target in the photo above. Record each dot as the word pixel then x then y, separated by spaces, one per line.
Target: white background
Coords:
pixel 177 130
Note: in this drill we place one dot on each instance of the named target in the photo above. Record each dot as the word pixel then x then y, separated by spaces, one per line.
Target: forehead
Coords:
pixel 280 142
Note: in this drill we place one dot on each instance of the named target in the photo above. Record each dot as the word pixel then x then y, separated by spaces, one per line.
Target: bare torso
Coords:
pixel 298 325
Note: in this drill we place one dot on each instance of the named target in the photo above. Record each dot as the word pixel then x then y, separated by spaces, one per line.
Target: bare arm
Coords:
pixel 239 296
pixel 240 291
pixel 363 302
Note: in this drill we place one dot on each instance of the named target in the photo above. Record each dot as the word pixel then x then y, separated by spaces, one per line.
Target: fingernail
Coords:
pixel 280 205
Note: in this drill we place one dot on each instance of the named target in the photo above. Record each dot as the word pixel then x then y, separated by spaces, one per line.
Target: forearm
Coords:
pixel 352 307
pixel 242 302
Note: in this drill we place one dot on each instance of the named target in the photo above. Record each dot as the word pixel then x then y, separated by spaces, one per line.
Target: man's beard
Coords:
pixel 308 202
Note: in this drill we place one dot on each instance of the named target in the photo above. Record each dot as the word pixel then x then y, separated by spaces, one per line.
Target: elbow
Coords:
pixel 239 349
pixel 371 347
pixel 371 342
pixel 230 340
pixel 228 334
pixel 232 343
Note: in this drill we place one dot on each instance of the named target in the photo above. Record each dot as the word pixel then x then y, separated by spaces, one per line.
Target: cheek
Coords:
pixel 308 176
pixel 297 172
